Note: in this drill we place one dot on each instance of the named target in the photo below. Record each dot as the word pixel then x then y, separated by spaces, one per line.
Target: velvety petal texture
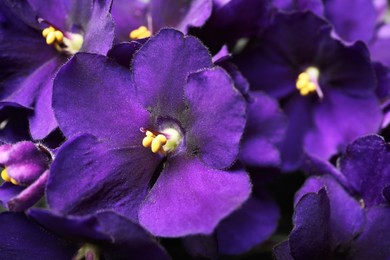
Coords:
pixel 217 143
pixel 191 191
pixel 365 166
pixel 117 117
pixel 178 56
pixel 89 175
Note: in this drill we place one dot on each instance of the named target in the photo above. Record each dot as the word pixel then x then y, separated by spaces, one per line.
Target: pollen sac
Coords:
pixel 7 178
pixel 140 33
pixel 68 43
pixel 162 142
pixel 307 82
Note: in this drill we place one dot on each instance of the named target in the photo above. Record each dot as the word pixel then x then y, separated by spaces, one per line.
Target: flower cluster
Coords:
pixel 160 129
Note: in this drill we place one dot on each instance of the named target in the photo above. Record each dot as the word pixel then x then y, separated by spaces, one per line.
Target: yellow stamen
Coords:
pixel 53 36
pixel 15 182
pixel 147 141
pixel 140 33
pixel 158 143
pixel 5 176
pixel 307 82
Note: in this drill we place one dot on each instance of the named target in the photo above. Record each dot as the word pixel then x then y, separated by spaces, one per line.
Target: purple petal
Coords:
pixel 30 195
pixel 366 168
pixel 9 191
pixel 282 251
pixel 99 31
pixel 216 123
pixel 266 126
pixel 373 243
pixel 88 175
pixel 191 198
pixel 346 17
pixel 161 67
pixel 255 221
pixel 91 82
pixel 180 14
pixel 22 237
pixel 310 236
pixel 123 52
pixel 54 12
pixel 346 213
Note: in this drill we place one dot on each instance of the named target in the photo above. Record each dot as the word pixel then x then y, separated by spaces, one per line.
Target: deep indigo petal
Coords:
pixel 88 175
pixel 310 236
pixel 248 226
pixel 366 168
pixel 129 239
pixel 91 82
pixel 346 17
pixel 346 213
pixel 99 28
pixel 161 67
pixel 8 191
pixel 179 14
pixel 123 52
pixel 55 12
pixel 266 127
pixel 22 237
pixel 216 124
pixel 373 243
pixel 282 251
pixel 191 198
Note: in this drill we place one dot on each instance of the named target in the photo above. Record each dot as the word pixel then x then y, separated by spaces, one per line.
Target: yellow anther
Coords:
pixel 156 145
pixel 48 30
pixel 162 139
pixel 15 182
pixel 140 33
pixel 148 133
pixel 305 84
pixel 147 141
pixel 5 176
pixel 51 37
pixel 59 36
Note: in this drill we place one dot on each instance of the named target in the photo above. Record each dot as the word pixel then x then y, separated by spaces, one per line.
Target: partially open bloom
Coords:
pixel 25 173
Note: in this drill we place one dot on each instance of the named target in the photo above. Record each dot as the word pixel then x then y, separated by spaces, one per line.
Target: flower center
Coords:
pixel 162 142
pixel 88 251
pixel 140 33
pixel 7 178
pixel 307 82
pixel 69 43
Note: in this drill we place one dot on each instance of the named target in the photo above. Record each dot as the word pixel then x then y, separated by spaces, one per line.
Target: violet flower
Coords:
pixel 25 173
pixel 173 94
pixel 49 236
pixel 137 19
pixel 36 38
pixel 341 213
pixel 321 84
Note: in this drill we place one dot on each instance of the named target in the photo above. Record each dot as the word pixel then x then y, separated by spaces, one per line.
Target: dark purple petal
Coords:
pixel 346 213
pixel 346 17
pixel 9 191
pixel 161 67
pixel 99 30
pixel 282 251
pixel 91 82
pixel 201 246
pixel 310 236
pixel 373 243
pixel 13 124
pixel 22 237
pixel 217 123
pixel 88 175
pixel 266 126
pixel 338 119
pixel 248 226
pixel 30 195
pixel 366 168
pixel 123 52
pixel 55 12
pixel 129 239
pixel 179 14
pixel 191 198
